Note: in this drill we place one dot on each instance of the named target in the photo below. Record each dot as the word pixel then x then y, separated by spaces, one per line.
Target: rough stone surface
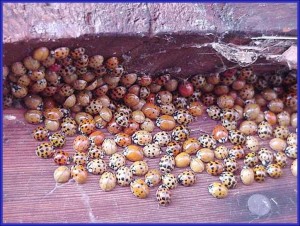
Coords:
pixel 25 21
pixel 180 38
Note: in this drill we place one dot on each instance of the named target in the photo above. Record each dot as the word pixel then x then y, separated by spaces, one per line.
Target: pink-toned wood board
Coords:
pixel 31 195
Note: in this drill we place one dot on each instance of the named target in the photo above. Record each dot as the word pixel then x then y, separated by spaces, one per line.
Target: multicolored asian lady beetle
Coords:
pixel 186 178
pixel 218 190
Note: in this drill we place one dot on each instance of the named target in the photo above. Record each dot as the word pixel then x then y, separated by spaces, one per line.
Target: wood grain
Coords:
pixel 31 195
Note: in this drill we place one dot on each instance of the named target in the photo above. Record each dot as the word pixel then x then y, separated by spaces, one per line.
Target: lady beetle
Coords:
pixel 139 188
pixel 162 138
pixel 97 138
pixel 133 153
pixel 96 166
pixel 183 117
pixel 280 159
pixel 252 143
pixel 283 118
pixel 121 119
pixel 236 137
pixel 236 152
pixel 164 97
pixel 94 107
pixel 207 141
pixel 144 92
pixel 230 114
pixel 95 152
pixel 81 143
pixel 265 156
pixel 19 91
pixel 124 176
pixel 173 148
pixel 251 159
pixel 291 151
pixel 165 122
pixel 61 52
pixel 220 133
pixel 277 144
pixel 77 53
pixel 96 61
pixel 218 190
pixel 45 150
pixel 248 127
pixel 167 164
pixel 68 126
pixel 79 174
pixel 87 126
pixel 198 81
pixel 163 195
pixel 138 116
pixel 62 174
pixel 112 62
pixel 118 93
pixel 139 168
pixel 152 150
pixel 281 132
pixel 229 125
pixel 214 168
pixel 182 160
pixel 52 125
pixel 180 102
pixel 291 139
pixel 251 111
pixel 57 140
pixel 109 146
pixel 142 137
pixel 80 158
pixel 147 125
pixel 151 110
pixel 247 175
pixel 191 145
pixel 153 177
pixel 186 178
pixel 124 109
pixel 196 108
pixel 205 155
pixel 169 180
pixel 230 165
pixel 40 133
pixel 180 133
pixel 259 173
pixel 245 73
pixel 122 139
pixel 61 158
pixel 270 118
pixel 228 179
pixel 274 170
pixel 167 109
pixel 107 181
pixel 196 165
pixel 34 116
pixel 264 130
pixel 221 152
pixel 116 161
pixel 113 127
pixel 195 97
pixel 214 112
pixel 225 101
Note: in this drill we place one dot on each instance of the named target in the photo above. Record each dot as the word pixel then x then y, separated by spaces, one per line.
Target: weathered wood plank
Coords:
pixel 30 193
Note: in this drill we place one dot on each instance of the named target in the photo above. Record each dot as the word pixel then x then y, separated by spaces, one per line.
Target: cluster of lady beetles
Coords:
pixel 74 94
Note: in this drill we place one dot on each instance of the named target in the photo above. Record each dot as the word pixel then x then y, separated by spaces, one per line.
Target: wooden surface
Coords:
pixel 31 195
